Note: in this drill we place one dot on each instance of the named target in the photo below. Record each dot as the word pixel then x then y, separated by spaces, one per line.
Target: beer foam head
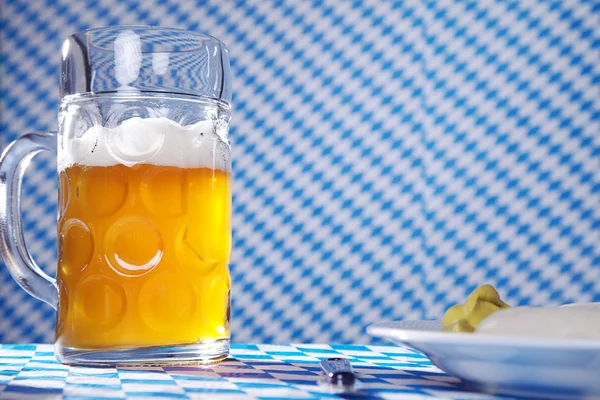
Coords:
pixel 156 141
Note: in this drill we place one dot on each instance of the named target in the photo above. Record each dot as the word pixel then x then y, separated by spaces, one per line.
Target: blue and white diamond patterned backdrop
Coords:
pixel 389 156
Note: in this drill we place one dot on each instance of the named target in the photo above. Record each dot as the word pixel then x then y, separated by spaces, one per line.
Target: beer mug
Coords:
pixel 144 202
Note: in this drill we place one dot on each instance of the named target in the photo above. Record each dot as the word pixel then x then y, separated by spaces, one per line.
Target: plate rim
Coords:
pixel 414 336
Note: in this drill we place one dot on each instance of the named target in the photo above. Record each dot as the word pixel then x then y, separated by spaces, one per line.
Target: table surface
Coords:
pixel 251 371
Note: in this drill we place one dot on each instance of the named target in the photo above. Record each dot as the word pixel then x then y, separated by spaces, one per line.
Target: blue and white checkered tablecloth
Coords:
pixel 251 371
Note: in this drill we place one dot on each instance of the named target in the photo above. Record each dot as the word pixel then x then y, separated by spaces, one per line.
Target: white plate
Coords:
pixel 528 367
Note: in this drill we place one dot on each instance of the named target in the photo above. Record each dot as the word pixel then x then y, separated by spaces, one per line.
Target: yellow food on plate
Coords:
pixel 480 304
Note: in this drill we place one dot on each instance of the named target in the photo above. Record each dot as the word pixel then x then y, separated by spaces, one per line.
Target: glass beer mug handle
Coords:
pixel 17 258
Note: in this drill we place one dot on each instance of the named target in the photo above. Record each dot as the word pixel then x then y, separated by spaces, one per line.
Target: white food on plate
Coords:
pixel 573 321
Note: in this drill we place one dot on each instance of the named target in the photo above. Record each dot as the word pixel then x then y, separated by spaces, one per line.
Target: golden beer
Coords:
pixel 143 256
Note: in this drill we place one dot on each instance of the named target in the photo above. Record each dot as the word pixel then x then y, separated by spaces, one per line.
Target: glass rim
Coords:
pixel 118 28
pixel 88 65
